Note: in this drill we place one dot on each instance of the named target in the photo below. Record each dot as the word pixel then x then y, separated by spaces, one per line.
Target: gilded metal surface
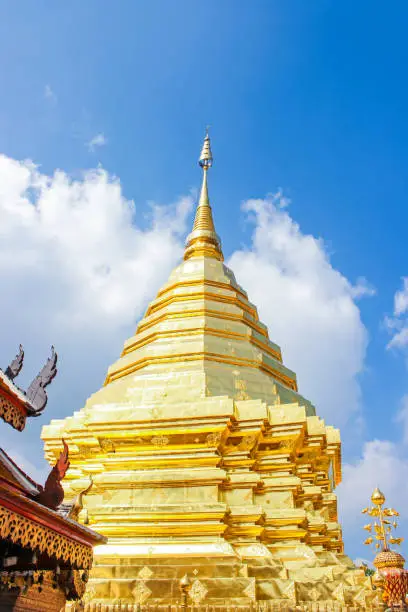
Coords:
pixel 27 533
pixel 203 240
pixel 205 459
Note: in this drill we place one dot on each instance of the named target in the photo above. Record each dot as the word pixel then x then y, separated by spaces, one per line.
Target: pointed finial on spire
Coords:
pixel 203 240
pixel 206 158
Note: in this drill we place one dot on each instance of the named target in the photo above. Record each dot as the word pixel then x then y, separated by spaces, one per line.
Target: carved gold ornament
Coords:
pixel 141 592
pixel 106 445
pixel 145 573
pixel 314 594
pixel 241 387
pixel 85 451
pixel 79 581
pixel 29 534
pixel 213 439
pixel 160 441
pixel 198 592
pixel 11 414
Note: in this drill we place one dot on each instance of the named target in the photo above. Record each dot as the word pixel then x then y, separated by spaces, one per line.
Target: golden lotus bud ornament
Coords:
pixel 377 497
pixel 390 574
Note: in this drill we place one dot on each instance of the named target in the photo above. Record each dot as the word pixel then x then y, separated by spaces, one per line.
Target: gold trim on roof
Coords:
pixel 32 535
pixel 202 356
pixel 162 302
pixel 200 312
pixel 202 283
pixel 198 331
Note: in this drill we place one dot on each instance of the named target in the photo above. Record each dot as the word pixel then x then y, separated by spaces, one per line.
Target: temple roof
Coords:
pixel 26 522
pixel 15 404
pixel 14 475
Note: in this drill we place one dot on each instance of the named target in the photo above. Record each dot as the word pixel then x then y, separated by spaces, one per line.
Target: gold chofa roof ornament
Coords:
pixel 203 240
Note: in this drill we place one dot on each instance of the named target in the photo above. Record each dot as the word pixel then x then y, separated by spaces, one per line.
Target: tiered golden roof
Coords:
pixel 205 458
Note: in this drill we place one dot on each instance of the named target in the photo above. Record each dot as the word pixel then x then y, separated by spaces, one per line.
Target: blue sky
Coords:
pixel 307 97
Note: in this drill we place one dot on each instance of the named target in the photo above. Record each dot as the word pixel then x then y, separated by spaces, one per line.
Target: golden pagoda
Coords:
pixel 208 466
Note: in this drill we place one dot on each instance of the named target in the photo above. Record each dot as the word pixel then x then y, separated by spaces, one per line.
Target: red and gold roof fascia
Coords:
pixel 13 408
pixel 33 526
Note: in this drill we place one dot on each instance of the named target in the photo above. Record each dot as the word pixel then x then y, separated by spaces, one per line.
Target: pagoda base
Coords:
pixel 227 583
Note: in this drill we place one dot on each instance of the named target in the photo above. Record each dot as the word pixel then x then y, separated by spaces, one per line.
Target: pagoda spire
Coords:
pixel 203 240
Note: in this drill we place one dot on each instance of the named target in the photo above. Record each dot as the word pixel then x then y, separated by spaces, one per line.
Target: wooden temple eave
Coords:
pixel 14 405
pixel 29 524
pixel 11 475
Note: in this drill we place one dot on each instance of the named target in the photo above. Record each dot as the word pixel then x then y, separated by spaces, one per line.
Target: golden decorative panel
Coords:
pixel 198 592
pixel 159 441
pixel 141 592
pixel 145 573
pixel 34 536
pixel 11 414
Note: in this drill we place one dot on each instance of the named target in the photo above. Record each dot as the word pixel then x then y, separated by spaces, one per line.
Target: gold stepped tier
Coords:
pixel 201 325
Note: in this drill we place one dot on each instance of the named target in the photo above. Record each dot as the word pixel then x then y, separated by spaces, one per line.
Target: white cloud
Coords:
pixel 97 141
pixel 76 269
pixel 401 299
pixel 309 307
pixel 400 339
pixel 50 95
pixel 362 288
pixel 402 417
pixel 397 325
pixel 80 243
pixel 382 464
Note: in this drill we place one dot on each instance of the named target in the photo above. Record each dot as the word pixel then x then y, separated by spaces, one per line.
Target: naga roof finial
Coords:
pixel 14 369
pixel 36 392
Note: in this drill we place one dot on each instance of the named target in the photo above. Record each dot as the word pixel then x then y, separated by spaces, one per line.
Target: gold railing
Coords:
pixel 251 607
